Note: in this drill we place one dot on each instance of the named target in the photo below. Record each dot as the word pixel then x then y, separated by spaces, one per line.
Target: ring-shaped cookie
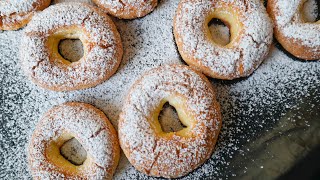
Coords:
pixel 127 9
pixel 90 127
pixel 16 14
pixel 151 150
pixel 294 33
pixel 42 61
pixel 250 29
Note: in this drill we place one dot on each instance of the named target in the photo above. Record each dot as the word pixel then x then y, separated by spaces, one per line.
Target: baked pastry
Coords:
pixel 16 14
pixel 294 33
pixel 64 1
pixel 39 53
pixel 127 9
pixel 90 127
pixel 174 154
pixel 250 42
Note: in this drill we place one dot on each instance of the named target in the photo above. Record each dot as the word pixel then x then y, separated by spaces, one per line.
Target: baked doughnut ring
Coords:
pixel 151 150
pixel 16 14
pixel 64 1
pixel 44 65
pixel 294 33
pixel 90 127
pixel 250 29
pixel 127 9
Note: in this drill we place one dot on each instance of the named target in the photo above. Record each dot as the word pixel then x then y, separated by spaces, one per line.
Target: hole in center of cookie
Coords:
pixel 71 49
pixel 310 10
pixel 169 119
pixel 220 32
pixel 73 151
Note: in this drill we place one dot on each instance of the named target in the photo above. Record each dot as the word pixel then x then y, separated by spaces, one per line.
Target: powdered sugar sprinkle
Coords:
pixel 248 106
pixel 243 56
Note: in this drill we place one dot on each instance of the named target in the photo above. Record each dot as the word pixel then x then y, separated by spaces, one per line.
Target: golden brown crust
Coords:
pixel 127 10
pixel 296 48
pixel 294 44
pixel 17 20
pixel 54 128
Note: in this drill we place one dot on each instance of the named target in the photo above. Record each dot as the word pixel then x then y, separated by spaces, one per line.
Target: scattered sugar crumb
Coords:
pixel 73 151
pixel 220 34
pixel 250 106
pixel 71 49
pixel 169 119
pixel 310 10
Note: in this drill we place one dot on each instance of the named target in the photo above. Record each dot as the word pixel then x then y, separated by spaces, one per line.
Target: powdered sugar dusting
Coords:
pixel 127 9
pixel 82 1
pixel 88 126
pixel 250 107
pixel 243 57
pixel 17 6
pixel 179 155
pixel 290 23
pixel 102 43
pixel 16 11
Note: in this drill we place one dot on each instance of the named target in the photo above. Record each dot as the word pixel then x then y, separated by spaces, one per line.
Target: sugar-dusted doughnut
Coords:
pixel 174 154
pixel 44 65
pixel 90 127
pixel 64 1
pixel 250 29
pixel 16 14
pixel 127 9
pixel 294 33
